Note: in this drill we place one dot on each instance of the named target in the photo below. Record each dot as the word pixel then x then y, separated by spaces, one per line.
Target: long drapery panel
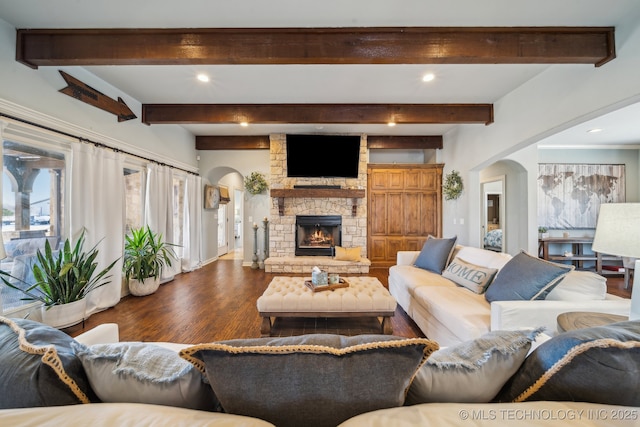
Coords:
pixel 192 224
pixel 97 206
pixel 159 209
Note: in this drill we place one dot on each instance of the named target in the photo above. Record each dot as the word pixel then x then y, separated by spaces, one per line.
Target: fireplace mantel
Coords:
pixel 348 193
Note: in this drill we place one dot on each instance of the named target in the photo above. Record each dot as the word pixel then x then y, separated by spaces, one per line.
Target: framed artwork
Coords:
pixel 570 195
pixel 211 197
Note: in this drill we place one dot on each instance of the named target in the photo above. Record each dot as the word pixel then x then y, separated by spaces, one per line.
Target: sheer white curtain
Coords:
pixel 159 208
pixel 192 224
pixel 97 206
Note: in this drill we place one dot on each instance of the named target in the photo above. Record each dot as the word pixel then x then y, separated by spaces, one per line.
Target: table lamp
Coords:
pixel 618 233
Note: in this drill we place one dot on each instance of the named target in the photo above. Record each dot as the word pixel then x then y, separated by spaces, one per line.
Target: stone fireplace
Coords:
pixel 304 201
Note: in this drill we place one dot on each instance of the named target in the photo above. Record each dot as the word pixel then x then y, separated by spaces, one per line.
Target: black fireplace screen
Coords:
pixel 318 234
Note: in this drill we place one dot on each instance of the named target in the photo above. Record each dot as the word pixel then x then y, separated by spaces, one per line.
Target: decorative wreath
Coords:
pixel 452 186
pixel 255 183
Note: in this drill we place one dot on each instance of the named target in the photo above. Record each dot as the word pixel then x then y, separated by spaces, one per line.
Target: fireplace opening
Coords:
pixel 318 234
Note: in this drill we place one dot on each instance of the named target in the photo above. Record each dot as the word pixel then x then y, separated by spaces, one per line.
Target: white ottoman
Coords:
pixel 290 297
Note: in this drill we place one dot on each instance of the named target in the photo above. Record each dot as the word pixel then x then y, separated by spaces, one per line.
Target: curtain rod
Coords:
pixel 97 144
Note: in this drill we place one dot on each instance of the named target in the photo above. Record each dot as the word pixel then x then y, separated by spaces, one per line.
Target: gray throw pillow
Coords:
pixel 473 371
pixel 138 372
pixel 526 278
pixel 473 277
pixel 39 367
pixel 435 254
pixel 317 380
pixel 599 365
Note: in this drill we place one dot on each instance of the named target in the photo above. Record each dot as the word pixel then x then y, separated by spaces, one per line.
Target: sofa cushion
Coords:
pixel 139 372
pixel 471 276
pixel 526 277
pixel 435 254
pixel 473 371
pixel 465 314
pixel 310 380
pixel 599 365
pixel 579 286
pixel 39 367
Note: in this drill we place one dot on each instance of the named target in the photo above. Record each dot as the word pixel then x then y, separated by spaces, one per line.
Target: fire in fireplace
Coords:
pixel 318 234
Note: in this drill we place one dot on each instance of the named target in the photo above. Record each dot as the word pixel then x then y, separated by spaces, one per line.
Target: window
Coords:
pixel 33 201
pixel 134 198
pixel 178 211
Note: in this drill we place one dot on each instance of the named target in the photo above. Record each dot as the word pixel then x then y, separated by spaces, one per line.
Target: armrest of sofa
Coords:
pixel 105 333
pixel 406 257
pixel 533 314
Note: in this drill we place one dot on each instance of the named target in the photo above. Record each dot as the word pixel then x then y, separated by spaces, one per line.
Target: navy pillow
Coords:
pixel 598 365
pixel 526 278
pixel 435 254
pixel 39 367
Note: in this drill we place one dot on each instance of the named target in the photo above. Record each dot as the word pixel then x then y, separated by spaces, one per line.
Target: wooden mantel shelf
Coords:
pixel 349 193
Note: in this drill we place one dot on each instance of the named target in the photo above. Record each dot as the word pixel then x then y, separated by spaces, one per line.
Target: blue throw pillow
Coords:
pixel 39 367
pixel 526 278
pixel 435 254
pixel 598 365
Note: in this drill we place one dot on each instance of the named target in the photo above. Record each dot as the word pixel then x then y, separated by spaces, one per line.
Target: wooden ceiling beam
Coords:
pixel 262 142
pixel 404 142
pixel 359 45
pixel 317 113
pixel 232 142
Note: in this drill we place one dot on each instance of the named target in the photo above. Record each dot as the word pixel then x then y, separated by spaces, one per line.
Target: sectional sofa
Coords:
pixel 319 380
pixel 455 293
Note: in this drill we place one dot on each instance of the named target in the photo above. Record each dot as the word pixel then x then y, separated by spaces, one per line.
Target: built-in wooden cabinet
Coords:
pixel 404 207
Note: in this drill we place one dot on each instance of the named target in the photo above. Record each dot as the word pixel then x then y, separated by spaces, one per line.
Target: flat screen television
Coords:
pixel 323 156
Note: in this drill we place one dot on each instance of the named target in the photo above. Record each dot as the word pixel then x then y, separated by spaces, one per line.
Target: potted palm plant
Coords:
pixel 145 256
pixel 62 281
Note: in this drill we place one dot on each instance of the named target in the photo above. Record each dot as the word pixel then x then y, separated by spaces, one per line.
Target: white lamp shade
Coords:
pixel 618 230
pixel 618 233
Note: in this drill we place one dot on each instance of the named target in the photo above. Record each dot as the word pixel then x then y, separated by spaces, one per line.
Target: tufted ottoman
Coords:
pixel 289 297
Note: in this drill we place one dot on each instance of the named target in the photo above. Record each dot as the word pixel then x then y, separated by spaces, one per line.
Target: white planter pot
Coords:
pixel 64 315
pixel 146 287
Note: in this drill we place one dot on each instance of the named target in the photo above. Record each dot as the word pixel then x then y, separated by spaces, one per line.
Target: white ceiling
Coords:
pixel 329 83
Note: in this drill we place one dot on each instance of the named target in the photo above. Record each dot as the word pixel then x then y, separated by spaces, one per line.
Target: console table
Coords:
pixel 579 255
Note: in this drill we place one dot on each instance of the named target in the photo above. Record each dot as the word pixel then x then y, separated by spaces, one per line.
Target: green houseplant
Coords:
pixel 145 256
pixel 62 281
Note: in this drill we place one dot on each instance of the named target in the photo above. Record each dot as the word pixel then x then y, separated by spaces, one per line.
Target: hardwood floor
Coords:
pixel 218 302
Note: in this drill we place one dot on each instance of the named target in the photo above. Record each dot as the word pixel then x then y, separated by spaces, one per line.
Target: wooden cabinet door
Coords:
pixel 377 249
pixel 394 244
pixel 377 214
pixel 395 214
pixel 429 209
pixel 430 180
pixel 413 217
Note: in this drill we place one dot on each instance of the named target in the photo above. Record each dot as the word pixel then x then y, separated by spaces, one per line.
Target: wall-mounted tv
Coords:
pixel 323 156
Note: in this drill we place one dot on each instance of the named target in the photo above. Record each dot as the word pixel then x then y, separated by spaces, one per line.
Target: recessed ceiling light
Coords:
pixel 203 78
pixel 244 124
pixel 428 77
pixel 391 124
pixel 594 130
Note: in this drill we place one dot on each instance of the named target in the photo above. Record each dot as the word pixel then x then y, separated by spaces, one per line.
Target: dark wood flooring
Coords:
pixel 218 302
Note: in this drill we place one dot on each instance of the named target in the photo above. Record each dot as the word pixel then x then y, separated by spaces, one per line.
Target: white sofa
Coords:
pixel 450 314
pixel 533 413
